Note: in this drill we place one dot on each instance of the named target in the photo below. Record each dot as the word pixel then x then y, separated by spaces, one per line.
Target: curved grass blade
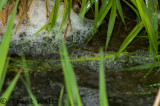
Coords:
pixel 129 38
pixel 111 23
pixel 145 16
pixel 151 68
pixel 135 11
pixel 102 83
pixel 9 90
pixel 70 80
pixel 119 8
pixel 6 41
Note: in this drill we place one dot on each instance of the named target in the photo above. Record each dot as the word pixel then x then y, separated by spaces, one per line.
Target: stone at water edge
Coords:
pixel 40 44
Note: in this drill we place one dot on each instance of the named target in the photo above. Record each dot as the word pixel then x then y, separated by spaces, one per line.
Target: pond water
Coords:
pixel 125 86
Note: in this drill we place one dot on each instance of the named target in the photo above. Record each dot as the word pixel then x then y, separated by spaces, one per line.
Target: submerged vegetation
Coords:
pixel 146 12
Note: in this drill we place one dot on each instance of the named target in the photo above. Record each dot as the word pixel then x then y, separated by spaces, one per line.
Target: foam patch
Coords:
pixel 37 19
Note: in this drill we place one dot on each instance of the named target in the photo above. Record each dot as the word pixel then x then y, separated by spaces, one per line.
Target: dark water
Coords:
pixel 124 88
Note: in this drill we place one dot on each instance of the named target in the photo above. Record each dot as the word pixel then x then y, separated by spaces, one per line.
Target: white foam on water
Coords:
pixel 37 19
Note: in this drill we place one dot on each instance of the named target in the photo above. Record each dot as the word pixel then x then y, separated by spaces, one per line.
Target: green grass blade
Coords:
pixel 26 70
pixel 61 96
pixel 27 81
pixel 44 27
pixel 4 74
pixel 70 80
pixel 96 9
pixel 119 8
pixel 85 7
pixel 139 67
pixel 135 11
pixel 104 4
pixel 153 8
pixel 2 2
pixel 66 12
pixel 111 22
pixel 145 16
pixel 102 83
pixel 151 68
pixel 9 90
pixel 129 38
pixel 6 41
pixel 102 13
pixel 54 14
pixel 35 102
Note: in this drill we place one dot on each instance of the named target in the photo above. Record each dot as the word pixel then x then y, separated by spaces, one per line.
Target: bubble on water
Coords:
pixel 89 96
pixel 37 19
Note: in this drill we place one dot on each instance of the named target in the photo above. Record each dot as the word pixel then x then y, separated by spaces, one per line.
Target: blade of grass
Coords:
pixel 85 7
pixel 129 38
pixel 35 102
pixel 111 23
pixel 44 27
pixel 26 70
pixel 9 90
pixel 70 80
pixel 102 83
pixel 67 9
pixel 4 74
pixel 96 9
pixel 27 82
pixel 2 2
pixel 145 16
pixel 6 41
pixel 61 96
pixel 139 67
pixel 151 68
pixel 119 8
pixel 102 13
pixel 54 14
pixel 135 11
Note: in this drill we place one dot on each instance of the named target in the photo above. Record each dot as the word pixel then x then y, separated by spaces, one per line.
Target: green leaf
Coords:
pixel 133 8
pixel 54 14
pixel 129 38
pixel 4 74
pixel 9 90
pixel 6 41
pixel 111 22
pixel 70 80
pixel 85 7
pixel 102 83
pixel 119 8
pixel 2 2
pixel 145 16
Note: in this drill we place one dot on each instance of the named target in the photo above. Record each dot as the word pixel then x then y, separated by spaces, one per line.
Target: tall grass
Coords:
pixel 147 15
pixel 102 83
pixel 3 56
pixel 69 76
